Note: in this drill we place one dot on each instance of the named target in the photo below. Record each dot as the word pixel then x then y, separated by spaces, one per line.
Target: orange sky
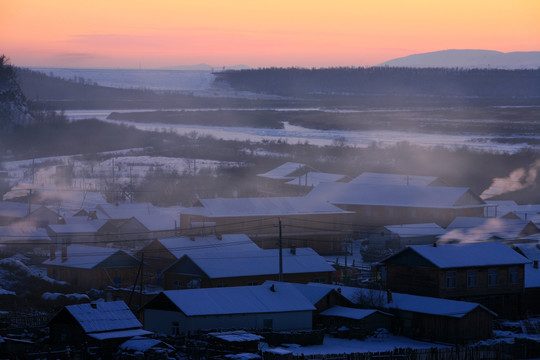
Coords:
pixel 133 33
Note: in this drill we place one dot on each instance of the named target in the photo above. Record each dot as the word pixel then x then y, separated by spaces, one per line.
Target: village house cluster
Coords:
pixel 314 251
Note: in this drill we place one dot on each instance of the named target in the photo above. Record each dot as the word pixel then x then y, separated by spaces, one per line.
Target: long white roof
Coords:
pixel 269 206
pixel 395 195
pixel 239 300
pixel 415 230
pixel 182 245
pixel 406 302
pixel 260 262
pixel 78 225
pixel 393 179
pixel 85 257
pixel 467 255
pixel 283 171
pixel 104 316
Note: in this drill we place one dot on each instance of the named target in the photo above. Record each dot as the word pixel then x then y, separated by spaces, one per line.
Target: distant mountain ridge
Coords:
pixel 480 59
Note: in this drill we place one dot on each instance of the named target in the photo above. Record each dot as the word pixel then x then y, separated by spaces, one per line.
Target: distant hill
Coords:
pixel 205 67
pixel 478 59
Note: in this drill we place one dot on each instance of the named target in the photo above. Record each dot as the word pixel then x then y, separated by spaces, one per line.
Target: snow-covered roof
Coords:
pixel 120 334
pixel 143 344
pixel 283 171
pixel 270 206
pixel 350 313
pixel 85 257
pixel 77 225
pixel 313 178
pixel 236 336
pixel 179 246
pixel 259 262
pixel 466 255
pixel 406 302
pixel 530 251
pixel 482 228
pixel 396 195
pixel 415 230
pixel 239 300
pixel 393 179
pixel 313 293
pixel 104 316
pixel 23 234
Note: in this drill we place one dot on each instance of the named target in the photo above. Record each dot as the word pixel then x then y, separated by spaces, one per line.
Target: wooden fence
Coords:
pixel 520 349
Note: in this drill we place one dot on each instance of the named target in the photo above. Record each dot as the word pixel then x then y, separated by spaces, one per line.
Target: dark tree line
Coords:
pixel 386 81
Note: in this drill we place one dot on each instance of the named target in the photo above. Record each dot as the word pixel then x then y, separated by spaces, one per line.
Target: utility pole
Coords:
pixel 280 251
pixel 141 285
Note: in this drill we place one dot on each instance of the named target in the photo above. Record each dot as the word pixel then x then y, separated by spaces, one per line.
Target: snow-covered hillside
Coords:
pixel 481 59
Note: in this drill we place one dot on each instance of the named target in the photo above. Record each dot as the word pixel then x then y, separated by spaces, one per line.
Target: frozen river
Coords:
pixel 294 134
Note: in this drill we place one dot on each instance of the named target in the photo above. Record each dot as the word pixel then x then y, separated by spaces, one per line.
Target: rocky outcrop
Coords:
pixel 13 105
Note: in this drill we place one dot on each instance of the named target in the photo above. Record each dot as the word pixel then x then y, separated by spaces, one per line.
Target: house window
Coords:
pixel 178 285
pixel 253 283
pixel 175 328
pixel 222 285
pixel 450 279
pixel 320 280
pixel 471 278
pixel 513 275
pixel 493 278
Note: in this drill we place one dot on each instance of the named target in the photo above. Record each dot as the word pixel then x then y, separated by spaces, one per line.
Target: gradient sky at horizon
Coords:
pixel 134 33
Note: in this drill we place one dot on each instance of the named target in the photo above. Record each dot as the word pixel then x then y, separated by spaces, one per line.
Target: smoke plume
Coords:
pixel 517 180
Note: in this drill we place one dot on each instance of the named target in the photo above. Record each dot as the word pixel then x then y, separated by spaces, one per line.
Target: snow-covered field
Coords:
pixel 126 166
pixel 297 134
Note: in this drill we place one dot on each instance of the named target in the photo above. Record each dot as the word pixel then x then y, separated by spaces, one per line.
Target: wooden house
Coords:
pixel 161 253
pixel 123 233
pixel 102 324
pixel 426 318
pixel 275 307
pixel 376 205
pixel 398 236
pixel 305 222
pixel 272 183
pixel 76 230
pixel 92 267
pixel 489 273
pixel 217 269
pixel 359 322
pixel 531 295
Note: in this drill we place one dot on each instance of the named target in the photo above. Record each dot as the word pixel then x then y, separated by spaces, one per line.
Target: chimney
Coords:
pixel 388 296
pixel 52 252
pixel 272 288
pixel 434 244
pixel 64 253
pixel 293 249
pixel 219 237
pixel 535 264
pixel 93 305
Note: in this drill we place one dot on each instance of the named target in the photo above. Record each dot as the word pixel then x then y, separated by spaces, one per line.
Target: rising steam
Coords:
pixel 517 180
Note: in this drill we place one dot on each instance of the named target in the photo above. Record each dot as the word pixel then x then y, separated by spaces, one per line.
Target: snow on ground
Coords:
pixel 126 166
pixel 334 345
